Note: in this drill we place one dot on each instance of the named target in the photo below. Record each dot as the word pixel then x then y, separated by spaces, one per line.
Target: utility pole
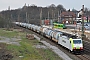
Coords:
pixel 8 18
pixel 82 22
pixel 58 16
pixel 26 21
pixel 76 18
pixel 26 18
pixel 41 14
pixel 41 17
pixel 11 21
pixel 48 15
pixel 54 17
pixel 18 18
pixel 52 14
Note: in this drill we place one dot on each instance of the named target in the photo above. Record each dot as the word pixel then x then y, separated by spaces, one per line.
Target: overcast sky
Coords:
pixel 68 4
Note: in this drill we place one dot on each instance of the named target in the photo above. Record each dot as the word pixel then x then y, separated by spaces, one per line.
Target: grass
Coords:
pixel 26 51
pixel 6 33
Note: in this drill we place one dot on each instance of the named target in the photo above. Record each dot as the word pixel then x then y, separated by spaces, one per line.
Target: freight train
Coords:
pixel 69 41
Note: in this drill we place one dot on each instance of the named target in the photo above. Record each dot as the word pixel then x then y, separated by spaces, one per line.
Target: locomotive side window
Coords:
pixel 70 41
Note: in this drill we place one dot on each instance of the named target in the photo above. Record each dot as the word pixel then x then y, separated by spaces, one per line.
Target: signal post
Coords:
pixel 82 22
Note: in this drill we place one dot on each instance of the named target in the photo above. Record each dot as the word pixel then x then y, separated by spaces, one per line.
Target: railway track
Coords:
pixel 86 48
pixel 84 56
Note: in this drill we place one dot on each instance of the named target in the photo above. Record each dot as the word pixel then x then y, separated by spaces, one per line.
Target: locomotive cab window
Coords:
pixel 77 41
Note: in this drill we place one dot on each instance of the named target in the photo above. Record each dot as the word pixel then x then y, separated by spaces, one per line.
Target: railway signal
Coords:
pixel 82 16
pixel 80 13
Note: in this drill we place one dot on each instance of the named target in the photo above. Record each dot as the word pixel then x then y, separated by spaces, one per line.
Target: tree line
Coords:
pixel 32 14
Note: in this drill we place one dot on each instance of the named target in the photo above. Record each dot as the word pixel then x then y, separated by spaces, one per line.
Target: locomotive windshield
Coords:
pixel 77 41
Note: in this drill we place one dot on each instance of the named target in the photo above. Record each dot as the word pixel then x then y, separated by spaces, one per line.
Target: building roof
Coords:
pixel 68 14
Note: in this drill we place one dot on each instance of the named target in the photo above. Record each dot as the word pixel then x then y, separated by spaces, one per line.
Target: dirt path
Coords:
pixel 9 40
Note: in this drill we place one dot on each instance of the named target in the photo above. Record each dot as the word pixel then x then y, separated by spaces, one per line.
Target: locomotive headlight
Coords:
pixel 74 48
pixel 81 48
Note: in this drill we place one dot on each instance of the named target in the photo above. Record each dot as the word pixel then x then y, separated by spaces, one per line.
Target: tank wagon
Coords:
pixel 39 29
pixel 69 41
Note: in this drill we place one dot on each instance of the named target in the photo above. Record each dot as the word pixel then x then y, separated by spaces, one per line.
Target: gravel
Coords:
pixel 57 51
pixel 54 49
